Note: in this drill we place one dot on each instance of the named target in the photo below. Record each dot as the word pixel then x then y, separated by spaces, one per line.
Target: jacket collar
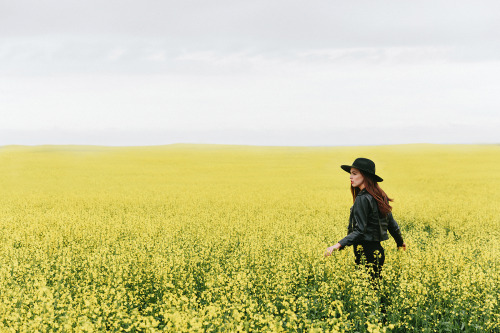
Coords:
pixel 363 191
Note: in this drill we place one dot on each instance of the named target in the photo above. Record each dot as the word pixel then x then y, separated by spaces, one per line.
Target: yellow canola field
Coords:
pixel 210 238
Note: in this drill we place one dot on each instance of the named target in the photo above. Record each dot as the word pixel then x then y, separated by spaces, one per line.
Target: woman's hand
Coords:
pixel 329 250
pixel 402 247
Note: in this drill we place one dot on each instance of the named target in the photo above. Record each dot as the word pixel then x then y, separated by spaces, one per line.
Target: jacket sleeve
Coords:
pixel 360 211
pixel 393 228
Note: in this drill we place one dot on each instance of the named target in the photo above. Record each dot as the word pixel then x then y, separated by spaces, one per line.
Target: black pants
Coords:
pixel 372 255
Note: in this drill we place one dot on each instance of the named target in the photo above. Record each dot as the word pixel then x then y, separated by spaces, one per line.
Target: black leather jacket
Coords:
pixel 366 225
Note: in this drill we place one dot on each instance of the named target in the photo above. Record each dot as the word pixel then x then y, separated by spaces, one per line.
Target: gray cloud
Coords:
pixel 263 24
pixel 210 67
pixel 164 36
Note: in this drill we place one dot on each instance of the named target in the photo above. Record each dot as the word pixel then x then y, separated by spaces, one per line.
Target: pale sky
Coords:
pixel 249 72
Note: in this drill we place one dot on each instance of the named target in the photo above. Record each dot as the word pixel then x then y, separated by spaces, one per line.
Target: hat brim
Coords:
pixel 347 168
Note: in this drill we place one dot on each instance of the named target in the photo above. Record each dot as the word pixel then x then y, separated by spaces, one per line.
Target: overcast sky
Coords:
pixel 269 72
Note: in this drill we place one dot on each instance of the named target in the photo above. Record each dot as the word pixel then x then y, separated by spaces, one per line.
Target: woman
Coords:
pixel 370 218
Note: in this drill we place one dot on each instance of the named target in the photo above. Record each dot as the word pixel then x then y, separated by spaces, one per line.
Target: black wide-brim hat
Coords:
pixel 365 165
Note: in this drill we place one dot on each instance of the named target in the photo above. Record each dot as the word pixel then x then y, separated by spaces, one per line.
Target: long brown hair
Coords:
pixel 376 192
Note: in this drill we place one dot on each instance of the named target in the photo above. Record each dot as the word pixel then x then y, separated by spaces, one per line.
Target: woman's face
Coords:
pixel 357 179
